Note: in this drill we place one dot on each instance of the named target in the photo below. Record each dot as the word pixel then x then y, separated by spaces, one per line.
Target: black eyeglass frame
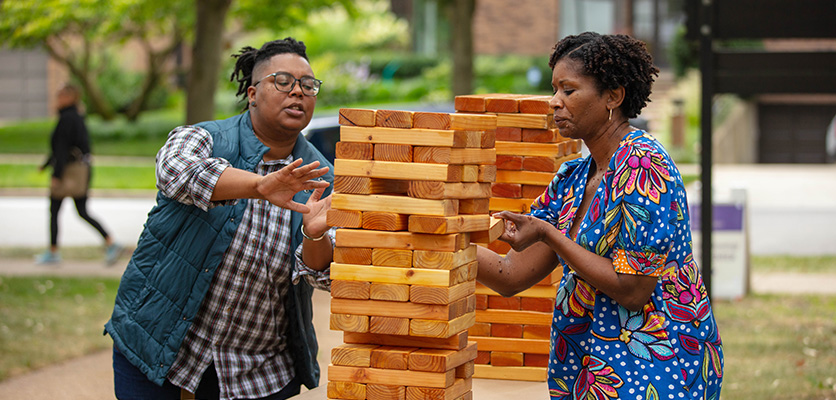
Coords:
pixel 316 87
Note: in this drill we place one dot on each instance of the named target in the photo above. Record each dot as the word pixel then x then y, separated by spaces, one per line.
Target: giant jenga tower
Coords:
pixel 513 332
pixel 409 190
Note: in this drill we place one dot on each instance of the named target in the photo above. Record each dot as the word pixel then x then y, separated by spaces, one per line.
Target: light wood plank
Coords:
pixel 494 231
pixel 534 346
pixel 387 376
pixel 398 170
pixel 344 218
pixel 394 119
pixel 388 326
pixel 402 240
pixel 416 137
pixel 358 290
pixel 454 392
pixel 525 177
pixel 349 322
pixel 407 276
pixel 394 204
pixel 346 390
pixel 448 155
pixel 392 152
pixel 529 374
pixel 357 117
pixel 443 259
pixel 513 317
pixel 438 190
pixel 440 328
pixel 384 221
pixel 354 151
pixel 473 122
pixel 532 121
pixel 351 354
pixel 391 357
pixel 439 360
pixel 353 255
pixel 454 224
pixel 515 205
pixel 431 120
pixel 543 291
pixel 441 295
pixel 455 342
pixel 392 258
pixel 389 292
pixel 364 185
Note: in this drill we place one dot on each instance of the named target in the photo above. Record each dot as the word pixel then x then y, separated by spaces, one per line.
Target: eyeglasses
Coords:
pixel 285 82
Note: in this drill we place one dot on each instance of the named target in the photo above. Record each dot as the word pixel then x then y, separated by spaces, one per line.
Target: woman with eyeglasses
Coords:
pixel 216 299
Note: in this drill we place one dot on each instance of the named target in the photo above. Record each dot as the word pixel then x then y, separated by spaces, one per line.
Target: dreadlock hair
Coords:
pixel 248 58
pixel 613 60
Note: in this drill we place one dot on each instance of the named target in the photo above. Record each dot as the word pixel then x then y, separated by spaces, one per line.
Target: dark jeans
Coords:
pixel 81 207
pixel 130 383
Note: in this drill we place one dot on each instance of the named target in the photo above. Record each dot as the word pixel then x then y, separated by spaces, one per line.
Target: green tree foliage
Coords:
pixel 84 34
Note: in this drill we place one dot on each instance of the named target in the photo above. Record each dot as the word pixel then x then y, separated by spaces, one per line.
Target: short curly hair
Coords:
pixel 248 57
pixel 613 60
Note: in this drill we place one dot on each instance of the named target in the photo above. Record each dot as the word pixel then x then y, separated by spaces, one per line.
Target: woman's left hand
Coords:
pixel 314 222
pixel 521 231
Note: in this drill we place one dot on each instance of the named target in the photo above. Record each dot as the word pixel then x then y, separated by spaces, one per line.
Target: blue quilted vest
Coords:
pixel 177 254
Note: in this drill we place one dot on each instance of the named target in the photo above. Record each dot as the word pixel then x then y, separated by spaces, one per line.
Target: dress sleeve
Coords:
pixel 640 218
pixel 548 206
pixel 186 170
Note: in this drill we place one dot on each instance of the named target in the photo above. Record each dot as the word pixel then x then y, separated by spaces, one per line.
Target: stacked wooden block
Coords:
pixel 409 190
pixel 513 333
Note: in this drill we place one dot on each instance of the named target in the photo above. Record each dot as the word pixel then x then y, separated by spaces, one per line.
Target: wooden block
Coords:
pixel 533 191
pixel 531 121
pixel 473 122
pixel 537 304
pixel 402 240
pixel 535 105
pixel 503 303
pixel 481 300
pixel 354 151
pixel 530 374
pixel 388 376
pixel 470 173
pixel 393 152
pixel 508 134
pixel 357 290
pixel 438 190
pixel 465 370
pixel 455 342
pixel 460 388
pixel 344 218
pixel 392 258
pixel 390 292
pixel 506 190
pixel 541 332
pixel 506 204
pixel 512 344
pixel 349 323
pixel 487 139
pixel 441 295
pixel 479 329
pixel 459 223
pixel 407 276
pixel 487 173
pixel 346 390
pixel 394 119
pixel 474 206
pixel 523 177
pixel 536 360
pixel 542 164
pixel 509 163
pixel 439 328
pixel 528 149
pixel 388 326
pixel 496 230
pixel 499 247
pixel 375 391
pixel 483 357
pixel 353 255
pixel 512 317
pixel 431 120
pixel 541 135
pixel 357 117
pixel 507 330
pixel 504 358
pixel 384 221
pixel 415 137
pixel 355 355
pixel 469 103
pixel 440 360
pixel 449 155
pixel 547 291
pixel 443 259
pixel 363 185
pixel 502 104
pixel 394 204
pixel 435 312
pixel 398 170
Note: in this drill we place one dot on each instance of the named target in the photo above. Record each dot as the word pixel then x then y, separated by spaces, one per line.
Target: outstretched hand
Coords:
pixel 279 187
pixel 521 230
pixel 315 221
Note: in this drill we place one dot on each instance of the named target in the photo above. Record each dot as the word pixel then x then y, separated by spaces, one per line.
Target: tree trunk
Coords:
pixel 462 45
pixel 95 97
pixel 206 60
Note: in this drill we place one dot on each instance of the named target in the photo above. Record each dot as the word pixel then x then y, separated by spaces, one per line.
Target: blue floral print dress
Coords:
pixel 639 218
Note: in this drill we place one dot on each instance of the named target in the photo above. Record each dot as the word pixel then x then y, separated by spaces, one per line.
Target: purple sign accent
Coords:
pixel 726 217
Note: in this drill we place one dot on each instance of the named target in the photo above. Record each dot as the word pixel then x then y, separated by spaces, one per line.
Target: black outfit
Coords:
pixel 70 142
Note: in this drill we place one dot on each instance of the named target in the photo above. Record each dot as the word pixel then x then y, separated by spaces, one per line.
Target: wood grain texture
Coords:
pixel 473 122
pixel 394 119
pixel 357 117
pixel 441 295
pixel 389 292
pixel 394 204
pixel 474 206
pixel 524 177
pixel 376 391
pixel 354 151
pixel 349 322
pixel 435 259
pixel 353 255
pixel 508 204
pixel 388 326
pixel 531 121
pixel 439 360
pixel 535 105
pixel 542 135
pixel 511 344
pixel 431 120
pixel 513 317
pixel 454 392
pixel 416 137
pixel 364 185
pixel 453 224
pixel 392 258
pixel 356 355
pixel 344 218
pixel 455 342
pixel 469 103
pixel 346 390
pixel 358 290
pixel 391 357
pixel 530 374
pixel 393 152
pixel 449 155
pixel 384 221
pixel 398 170
pixel 402 240
pixel 406 276
pixel 439 328
pixel 438 190
pixel 387 376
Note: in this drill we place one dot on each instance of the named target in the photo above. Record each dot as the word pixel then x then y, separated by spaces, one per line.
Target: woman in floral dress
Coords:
pixel 632 317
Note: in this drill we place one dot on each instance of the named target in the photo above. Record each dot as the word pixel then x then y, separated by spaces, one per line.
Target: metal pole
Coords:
pixel 707 72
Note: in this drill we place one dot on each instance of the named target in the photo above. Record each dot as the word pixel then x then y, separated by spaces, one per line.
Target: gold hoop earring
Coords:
pixel 610 118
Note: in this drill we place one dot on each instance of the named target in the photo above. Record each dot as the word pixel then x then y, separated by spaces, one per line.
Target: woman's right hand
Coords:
pixel 279 187
pixel 521 231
